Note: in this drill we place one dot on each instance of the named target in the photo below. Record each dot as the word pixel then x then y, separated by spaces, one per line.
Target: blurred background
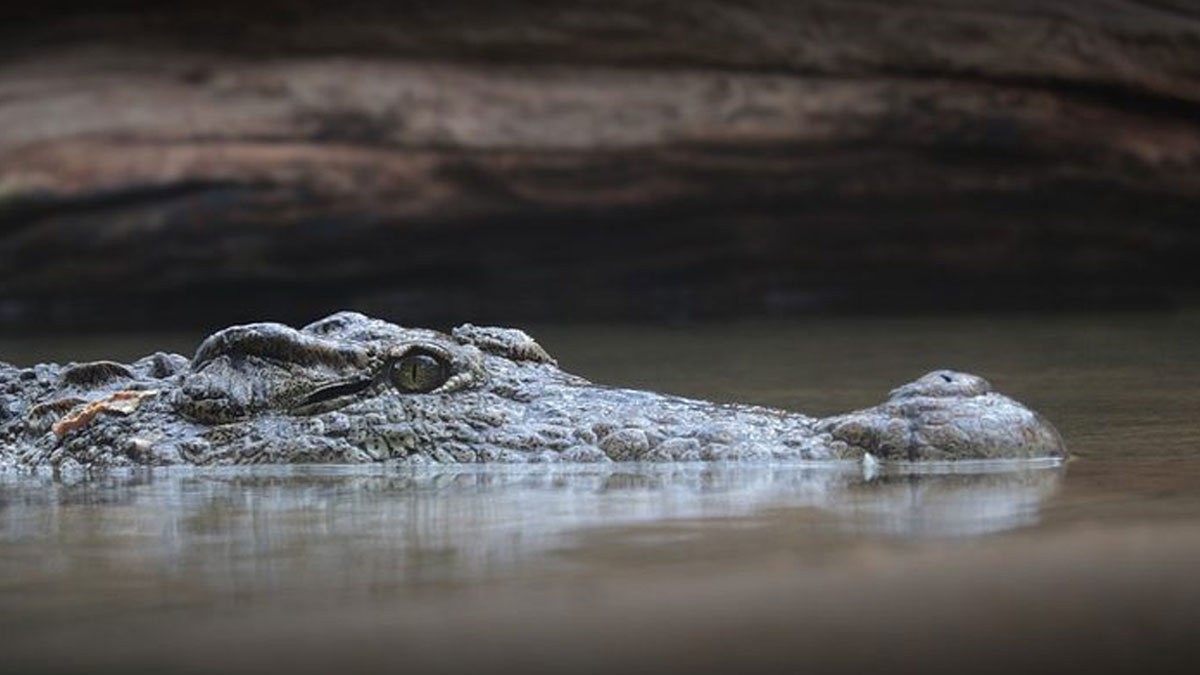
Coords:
pixel 988 185
pixel 194 164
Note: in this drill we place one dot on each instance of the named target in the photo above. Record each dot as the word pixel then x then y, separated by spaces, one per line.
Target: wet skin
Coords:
pixel 351 389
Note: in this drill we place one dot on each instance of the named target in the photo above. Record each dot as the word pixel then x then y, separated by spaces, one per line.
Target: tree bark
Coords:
pixel 494 161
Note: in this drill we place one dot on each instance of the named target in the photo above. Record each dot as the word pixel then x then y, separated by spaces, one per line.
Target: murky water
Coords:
pixel 988 568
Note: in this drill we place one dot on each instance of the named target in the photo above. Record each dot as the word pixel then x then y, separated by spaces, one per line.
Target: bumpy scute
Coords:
pixel 510 343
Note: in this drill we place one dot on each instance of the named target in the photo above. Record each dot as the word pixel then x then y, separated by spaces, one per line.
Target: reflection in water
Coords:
pixel 944 501
pixel 719 556
pixel 353 530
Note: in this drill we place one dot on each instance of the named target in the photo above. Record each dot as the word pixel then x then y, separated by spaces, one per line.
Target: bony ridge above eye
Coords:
pixel 418 371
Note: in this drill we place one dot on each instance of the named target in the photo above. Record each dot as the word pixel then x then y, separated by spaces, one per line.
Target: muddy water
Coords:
pixel 731 568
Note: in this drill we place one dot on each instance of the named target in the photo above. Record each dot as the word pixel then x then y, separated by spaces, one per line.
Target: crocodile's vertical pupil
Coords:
pixel 419 372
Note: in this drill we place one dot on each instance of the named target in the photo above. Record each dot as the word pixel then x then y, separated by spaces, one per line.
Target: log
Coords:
pixel 192 165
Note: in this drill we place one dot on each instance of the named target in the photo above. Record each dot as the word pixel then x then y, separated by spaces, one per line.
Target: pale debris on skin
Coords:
pixel 329 393
pixel 119 403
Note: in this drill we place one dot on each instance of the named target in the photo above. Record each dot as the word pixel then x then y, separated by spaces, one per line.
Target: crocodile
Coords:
pixel 352 389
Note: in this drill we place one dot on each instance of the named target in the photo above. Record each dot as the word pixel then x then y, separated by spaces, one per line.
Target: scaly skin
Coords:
pixel 333 392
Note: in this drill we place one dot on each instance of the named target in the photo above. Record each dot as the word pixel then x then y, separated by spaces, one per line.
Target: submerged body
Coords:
pixel 350 389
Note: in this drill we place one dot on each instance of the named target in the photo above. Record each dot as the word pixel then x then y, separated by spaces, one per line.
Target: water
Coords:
pixel 988 568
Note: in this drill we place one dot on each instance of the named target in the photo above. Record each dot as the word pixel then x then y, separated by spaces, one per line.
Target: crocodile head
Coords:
pixel 351 389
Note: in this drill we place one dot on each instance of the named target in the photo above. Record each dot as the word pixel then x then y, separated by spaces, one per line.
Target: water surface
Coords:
pixel 987 568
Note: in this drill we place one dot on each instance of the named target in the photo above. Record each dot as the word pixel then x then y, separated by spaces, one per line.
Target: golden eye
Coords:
pixel 419 372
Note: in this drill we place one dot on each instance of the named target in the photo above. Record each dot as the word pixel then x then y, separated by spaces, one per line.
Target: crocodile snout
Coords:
pixel 947 415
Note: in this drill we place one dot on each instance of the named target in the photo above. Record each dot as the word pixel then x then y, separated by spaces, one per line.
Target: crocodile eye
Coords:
pixel 419 372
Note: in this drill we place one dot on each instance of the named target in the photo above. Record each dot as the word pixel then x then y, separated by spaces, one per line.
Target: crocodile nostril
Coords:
pixel 947 378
